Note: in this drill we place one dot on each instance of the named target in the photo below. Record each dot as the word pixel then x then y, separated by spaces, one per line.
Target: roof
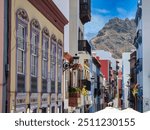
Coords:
pixel 68 57
pixel 51 12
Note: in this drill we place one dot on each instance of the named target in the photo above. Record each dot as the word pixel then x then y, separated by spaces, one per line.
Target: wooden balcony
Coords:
pixel 85 11
pixel 86 83
pixel 83 45
pixel 74 99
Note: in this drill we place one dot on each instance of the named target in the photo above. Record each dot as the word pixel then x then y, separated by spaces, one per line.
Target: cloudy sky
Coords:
pixel 103 10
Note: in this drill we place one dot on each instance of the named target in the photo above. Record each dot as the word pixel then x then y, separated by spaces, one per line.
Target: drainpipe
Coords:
pixel 4 96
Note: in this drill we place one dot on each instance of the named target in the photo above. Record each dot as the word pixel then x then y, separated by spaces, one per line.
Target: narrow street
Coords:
pixel 74 56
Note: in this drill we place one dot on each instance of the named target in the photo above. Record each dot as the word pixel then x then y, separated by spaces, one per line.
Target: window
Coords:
pixel 35 29
pixel 44 57
pixel 53 65
pixel 34 54
pixel 21 49
pixel 59 58
pixel 21 33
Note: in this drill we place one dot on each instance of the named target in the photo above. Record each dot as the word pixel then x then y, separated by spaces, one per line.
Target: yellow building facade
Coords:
pixel 35 57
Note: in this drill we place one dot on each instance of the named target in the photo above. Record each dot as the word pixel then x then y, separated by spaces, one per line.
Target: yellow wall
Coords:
pixel 32 13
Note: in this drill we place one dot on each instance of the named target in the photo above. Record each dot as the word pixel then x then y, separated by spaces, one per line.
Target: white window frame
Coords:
pixel 21 49
pixel 33 54
pixel 45 58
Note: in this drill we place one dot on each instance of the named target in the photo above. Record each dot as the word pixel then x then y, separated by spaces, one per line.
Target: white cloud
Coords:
pixel 122 11
pixel 102 11
pixel 94 26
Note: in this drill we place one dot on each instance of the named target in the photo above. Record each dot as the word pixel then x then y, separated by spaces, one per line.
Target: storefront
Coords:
pixel 44 105
pixel 53 103
pixel 34 103
pixel 20 103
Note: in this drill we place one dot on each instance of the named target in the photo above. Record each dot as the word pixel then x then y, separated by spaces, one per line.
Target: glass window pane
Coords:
pixel 20 55
pixel 20 67
pixel 34 43
pixel 21 36
pixel 20 61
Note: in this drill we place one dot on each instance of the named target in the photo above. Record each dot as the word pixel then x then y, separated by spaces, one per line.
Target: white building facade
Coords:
pixel 143 51
pixel 78 13
pixel 125 78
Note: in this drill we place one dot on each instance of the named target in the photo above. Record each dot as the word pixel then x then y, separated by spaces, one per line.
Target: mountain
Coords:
pixel 117 36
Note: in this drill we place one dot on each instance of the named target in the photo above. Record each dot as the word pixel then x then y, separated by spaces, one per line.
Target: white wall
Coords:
pixel 146 52
pixel 126 72
pixel 70 8
pixel 64 8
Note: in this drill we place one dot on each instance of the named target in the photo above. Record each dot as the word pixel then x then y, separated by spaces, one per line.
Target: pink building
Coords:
pixel 1 50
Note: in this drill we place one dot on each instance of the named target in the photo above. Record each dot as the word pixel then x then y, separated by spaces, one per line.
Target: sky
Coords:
pixel 103 10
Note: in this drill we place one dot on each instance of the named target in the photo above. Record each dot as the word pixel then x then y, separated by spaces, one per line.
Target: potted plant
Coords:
pixel 74 92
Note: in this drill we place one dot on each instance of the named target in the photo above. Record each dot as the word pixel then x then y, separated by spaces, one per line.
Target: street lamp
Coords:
pixel 67 65
pixel 76 59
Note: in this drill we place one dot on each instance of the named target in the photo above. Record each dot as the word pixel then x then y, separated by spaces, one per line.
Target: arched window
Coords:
pixel 22 20
pixel 59 65
pixel 45 43
pixel 35 31
pixel 53 63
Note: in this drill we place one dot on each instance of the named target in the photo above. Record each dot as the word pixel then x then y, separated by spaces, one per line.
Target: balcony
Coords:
pixel 74 102
pixel 138 39
pixel 85 11
pixel 86 83
pixel 138 15
pixel 139 65
pixel 83 45
pixel 135 43
pixel 74 96
pixel 139 36
pixel 139 2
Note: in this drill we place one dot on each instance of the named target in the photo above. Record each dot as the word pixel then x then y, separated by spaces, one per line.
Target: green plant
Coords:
pixel 74 90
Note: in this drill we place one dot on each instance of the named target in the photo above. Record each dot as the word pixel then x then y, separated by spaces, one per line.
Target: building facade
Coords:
pixel 35 57
pixel 133 81
pixel 96 85
pixel 142 45
pixel 78 12
pixel 105 69
pixel 125 78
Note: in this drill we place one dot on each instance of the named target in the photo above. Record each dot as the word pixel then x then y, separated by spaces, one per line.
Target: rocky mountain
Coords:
pixel 117 36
